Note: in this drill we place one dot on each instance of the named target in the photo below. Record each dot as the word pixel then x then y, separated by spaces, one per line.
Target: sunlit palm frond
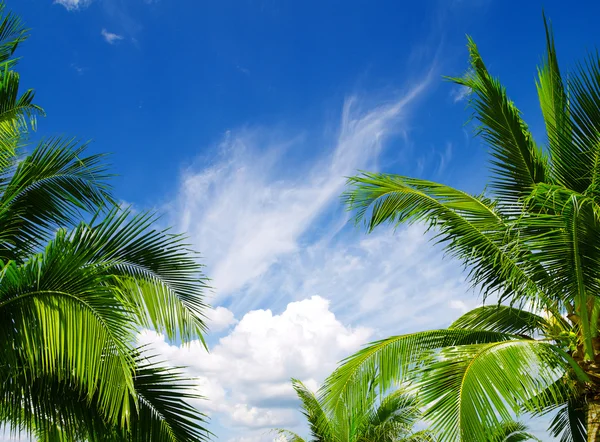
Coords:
pixel 393 360
pixel 473 388
pixel 160 280
pixel 46 191
pixel 518 163
pixel 160 410
pixel 63 318
pixel 471 228
pixel 503 319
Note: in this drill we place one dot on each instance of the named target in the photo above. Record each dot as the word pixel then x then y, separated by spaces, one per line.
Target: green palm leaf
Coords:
pixel 517 163
pixel 48 189
pixel 476 387
pixel 502 319
pixel 471 228
pixel 393 360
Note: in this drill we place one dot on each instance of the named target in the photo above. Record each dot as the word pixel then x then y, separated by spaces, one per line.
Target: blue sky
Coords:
pixel 238 121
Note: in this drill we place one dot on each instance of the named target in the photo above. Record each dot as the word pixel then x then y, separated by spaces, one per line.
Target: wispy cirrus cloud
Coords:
pixel 73 5
pixel 250 208
pixel 460 93
pixel 110 37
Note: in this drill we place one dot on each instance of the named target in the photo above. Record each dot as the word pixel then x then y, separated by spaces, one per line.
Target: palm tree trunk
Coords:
pixel 593 421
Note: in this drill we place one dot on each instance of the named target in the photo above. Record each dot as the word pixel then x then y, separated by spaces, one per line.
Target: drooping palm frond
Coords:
pixel 62 318
pixel 473 388
pixel 569 422
pixel 159 407
pixel 72 311
pixel 165 413
pixel 47 190
pixel 393 360
pixel 473 229
pixel 502 319
pixel 160 280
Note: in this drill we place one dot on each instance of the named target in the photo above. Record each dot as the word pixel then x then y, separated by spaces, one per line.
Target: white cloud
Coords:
pixel 247 373
pixel 460 93
pixel 110 37
pixel 219 319
pixel 73 5
pixel 250 209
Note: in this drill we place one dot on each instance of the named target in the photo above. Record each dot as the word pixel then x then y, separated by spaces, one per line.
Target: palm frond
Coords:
pixel 318 420
pixel 164 412
pixel 569 423
pixel 48 189
pixel 160 280
pixel 12 33
pixel 518 163
pixel 471 228
pixel 570 165
pixel 563 234
pixel 503 319
pixel 63 318
pixel 287 436
pixel 473 388
pixel 393 360
pixel 511 431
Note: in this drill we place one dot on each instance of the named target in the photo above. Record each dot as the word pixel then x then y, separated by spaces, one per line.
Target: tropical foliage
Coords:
pixel 532 240
pixel 390 419
pixel 78 278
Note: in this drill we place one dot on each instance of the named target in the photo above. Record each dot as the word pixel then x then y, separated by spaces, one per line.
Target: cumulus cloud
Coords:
pixel 247 373
pixel 110 37
pixel 73 5
pixel 219 319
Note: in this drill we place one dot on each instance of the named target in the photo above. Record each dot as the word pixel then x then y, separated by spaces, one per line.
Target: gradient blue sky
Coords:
pixel 239 119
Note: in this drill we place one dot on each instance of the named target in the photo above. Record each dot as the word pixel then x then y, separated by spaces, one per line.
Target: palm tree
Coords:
pixel 73 293
pixel 390 419
pixel 532 240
